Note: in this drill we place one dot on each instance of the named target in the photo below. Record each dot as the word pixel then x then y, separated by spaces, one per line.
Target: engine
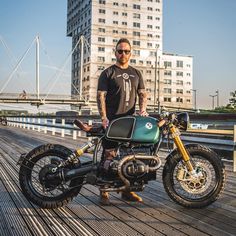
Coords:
pixel 136 167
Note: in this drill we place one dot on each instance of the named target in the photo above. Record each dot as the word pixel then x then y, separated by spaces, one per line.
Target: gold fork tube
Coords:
pixel 180 146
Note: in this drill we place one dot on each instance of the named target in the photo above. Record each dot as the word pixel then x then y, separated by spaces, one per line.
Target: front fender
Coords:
pixel 189 145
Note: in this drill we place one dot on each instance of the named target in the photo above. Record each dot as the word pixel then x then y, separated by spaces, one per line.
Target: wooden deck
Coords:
pixel 158 215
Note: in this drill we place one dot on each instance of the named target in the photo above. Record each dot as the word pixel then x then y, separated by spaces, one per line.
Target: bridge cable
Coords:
pixel 16 67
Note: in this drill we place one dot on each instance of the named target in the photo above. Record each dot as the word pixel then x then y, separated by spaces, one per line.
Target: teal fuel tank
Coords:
pixel 136 129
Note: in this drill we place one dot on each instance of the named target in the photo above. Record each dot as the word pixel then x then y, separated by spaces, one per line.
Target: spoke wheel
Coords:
pixel 199 189
pixel 35 182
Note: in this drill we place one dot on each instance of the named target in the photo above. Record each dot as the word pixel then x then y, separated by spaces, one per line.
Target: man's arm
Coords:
pixel 142 102
pixel 101 102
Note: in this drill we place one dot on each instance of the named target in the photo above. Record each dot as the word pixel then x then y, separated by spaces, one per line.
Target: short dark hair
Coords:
pixel 123 40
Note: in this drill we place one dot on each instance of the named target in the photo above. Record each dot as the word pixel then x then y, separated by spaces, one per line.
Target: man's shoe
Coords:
pixel 131 196
pixel 104 198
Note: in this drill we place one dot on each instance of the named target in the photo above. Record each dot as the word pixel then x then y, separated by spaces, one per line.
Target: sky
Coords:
pixel 204 29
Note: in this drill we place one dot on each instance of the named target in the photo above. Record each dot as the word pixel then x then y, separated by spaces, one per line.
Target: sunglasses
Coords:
pixel 123 51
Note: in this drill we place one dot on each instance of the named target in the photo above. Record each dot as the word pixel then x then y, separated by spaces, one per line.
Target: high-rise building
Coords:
pixel 101 23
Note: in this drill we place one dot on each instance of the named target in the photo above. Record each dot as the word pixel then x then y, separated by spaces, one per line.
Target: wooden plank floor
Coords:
pixel 158 215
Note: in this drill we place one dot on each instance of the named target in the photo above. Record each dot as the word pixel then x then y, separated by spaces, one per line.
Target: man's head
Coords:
pixel 123 51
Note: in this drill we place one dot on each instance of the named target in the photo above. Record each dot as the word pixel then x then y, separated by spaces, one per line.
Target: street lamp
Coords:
pixel 218 97
pixel 195 98
pixel 155 85
pixel 213 100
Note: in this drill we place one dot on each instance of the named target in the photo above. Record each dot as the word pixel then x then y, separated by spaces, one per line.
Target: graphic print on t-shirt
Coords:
pixel 127 86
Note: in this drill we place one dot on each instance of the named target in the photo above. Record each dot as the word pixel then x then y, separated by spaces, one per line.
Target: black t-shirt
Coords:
pixel 121 86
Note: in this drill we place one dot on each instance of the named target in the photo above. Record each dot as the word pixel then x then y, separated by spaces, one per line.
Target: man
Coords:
pixel 118 87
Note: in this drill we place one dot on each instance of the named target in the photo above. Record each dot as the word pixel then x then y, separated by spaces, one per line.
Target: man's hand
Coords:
pixel 143 113
pixel 105 123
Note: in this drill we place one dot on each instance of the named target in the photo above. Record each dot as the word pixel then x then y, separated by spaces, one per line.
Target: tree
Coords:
pixel 232 100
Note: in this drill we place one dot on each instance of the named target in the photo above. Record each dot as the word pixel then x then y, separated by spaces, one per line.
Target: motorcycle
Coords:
pixel 3 121
pixel 51 175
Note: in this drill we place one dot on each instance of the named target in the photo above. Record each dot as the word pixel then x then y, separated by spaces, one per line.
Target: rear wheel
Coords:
pixel 201 189
pixel 34 181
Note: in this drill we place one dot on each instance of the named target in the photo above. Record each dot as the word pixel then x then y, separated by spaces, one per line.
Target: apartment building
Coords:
pixel 168 77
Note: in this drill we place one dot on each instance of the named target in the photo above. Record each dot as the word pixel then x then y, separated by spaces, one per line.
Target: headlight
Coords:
pixel 183 121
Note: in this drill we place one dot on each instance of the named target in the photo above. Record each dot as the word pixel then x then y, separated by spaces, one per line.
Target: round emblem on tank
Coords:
pixel 148 125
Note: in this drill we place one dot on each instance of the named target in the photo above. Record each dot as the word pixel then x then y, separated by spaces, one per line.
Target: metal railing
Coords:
pixel 221 140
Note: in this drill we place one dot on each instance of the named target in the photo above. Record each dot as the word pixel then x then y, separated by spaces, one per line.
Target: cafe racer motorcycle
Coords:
pixel 193 175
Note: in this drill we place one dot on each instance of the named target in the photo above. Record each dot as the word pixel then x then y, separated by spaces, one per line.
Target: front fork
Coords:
pixel 180 146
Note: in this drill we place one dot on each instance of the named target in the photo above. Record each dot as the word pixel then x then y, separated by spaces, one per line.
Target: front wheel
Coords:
pixel 34 181
pixel 198 190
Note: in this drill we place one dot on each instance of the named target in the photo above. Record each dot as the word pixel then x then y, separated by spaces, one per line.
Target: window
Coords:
pixel 167 90
pixel 124 5
pixel 152 54
pixel 149 45
pixel 115 31
pixel 167 72
pixel 179 91
pixel 102 2
pixel 136 24
pixel 149 26
pixel 179 99
pixel 167 81
pixel 149 9
pixel 149 72
pixel 136 43
pixel 124 14
pixel 115 22
pixel 101 67
pixel 136 6
pixel 132 61
pixel 179 82
pixel 149 17
pixel 136 52
pixel 115 13
pixel 124 32
pixel 102 30
pixel 149 35
pixel 166 99
pixel 149 63
pixel 101 49
pixel 136 16
pixel 167 64
pixel 179 73
pixel 115 4
pixel 124 23
pixel 101 59
pixel 136 33
pixel 102 11
pixel 179 64
pixel 100 20
pixel 188 74
pixel 101 39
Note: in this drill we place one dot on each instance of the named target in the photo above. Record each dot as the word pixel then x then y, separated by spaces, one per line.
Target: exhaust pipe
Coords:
pixel 78 172
pixel 66 175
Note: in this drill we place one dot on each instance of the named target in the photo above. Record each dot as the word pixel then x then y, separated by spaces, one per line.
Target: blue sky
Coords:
pixel 204 29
